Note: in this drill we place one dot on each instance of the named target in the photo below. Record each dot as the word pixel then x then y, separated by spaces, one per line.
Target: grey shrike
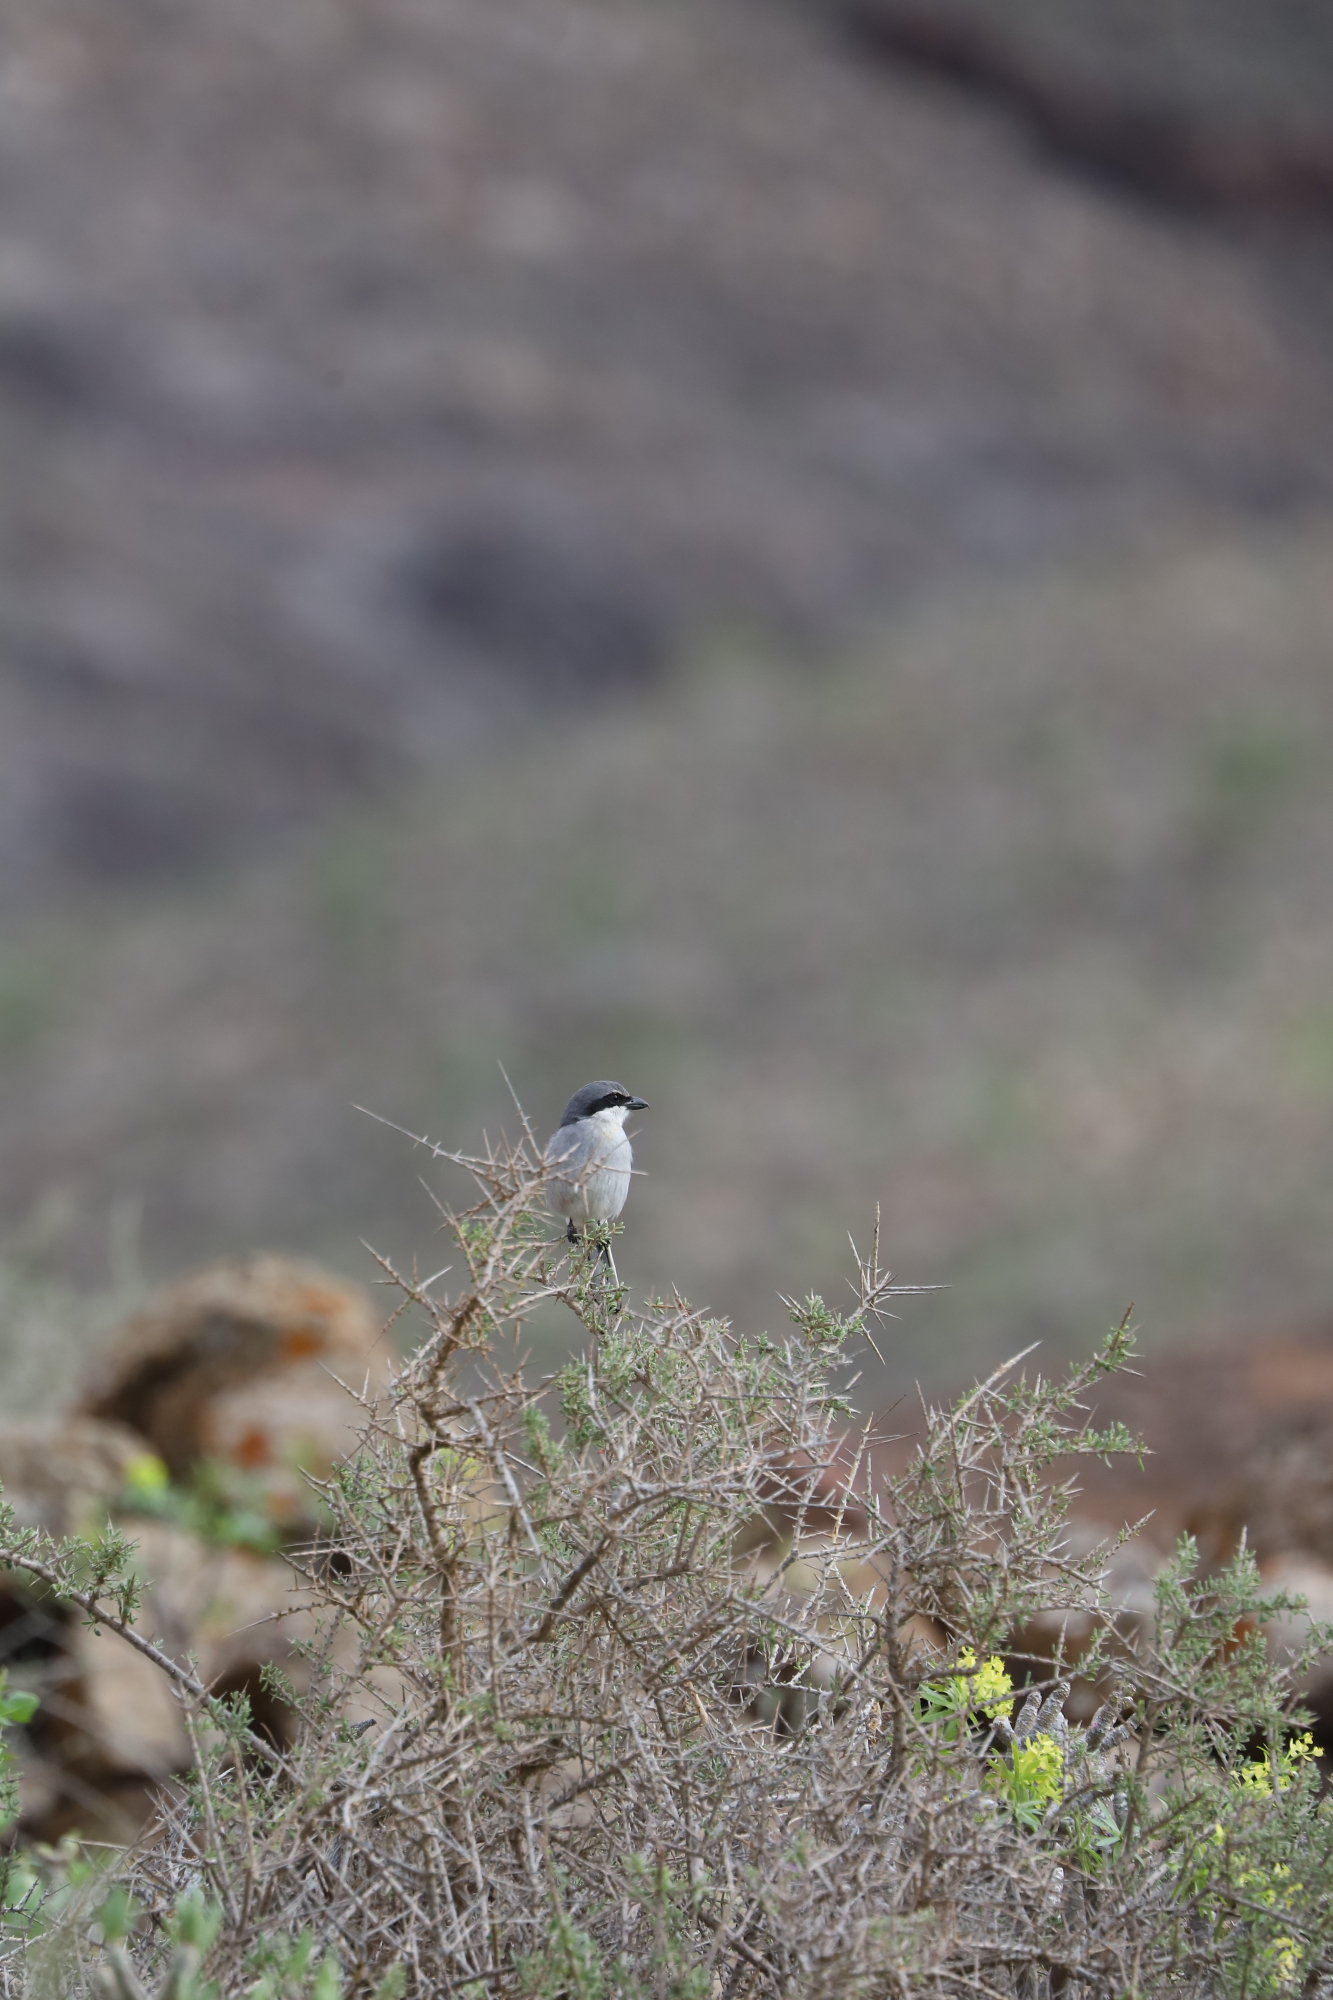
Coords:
pixel 588 1158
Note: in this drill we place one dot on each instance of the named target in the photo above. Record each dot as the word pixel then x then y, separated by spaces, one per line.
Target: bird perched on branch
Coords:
pixel 588 1157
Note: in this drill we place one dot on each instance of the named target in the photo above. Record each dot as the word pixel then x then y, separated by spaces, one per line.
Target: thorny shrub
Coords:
pixel 576 1733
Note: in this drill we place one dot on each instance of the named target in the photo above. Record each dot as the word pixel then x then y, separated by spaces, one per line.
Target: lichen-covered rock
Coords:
pixel 109 1728
pixel 1288 1633
pixel 241 1366
pixel 1239 1435
pixel 246 1363
pixel 60 1473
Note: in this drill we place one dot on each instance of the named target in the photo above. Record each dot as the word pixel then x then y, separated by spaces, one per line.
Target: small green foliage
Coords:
pixel 50 1898
pixel 568 1965
pixel 570 1962
pixel 476 1238
pixel 195 1922
pixel 577 1405
pixel 542 1447
pixel 221 1503
pixel 21 1900
pixel 17 1707
pixel 102 1566
pixel 1116 1441
pixel 818 1324
pixel 293 1969
pixel 1029 1779
pixel 118 1915
pixel 276 1681
pixel 146 1478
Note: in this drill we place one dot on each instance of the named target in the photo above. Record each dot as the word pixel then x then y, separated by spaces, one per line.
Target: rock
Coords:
pixel 1199 101
pixel 1065 1636
pixel 239 1366
pixel 109 1728
pixel 244 1364
pixel 59 1474
pixel 1240 1443
pixel 555 613
pixel 1239 1436
pixel 1289 1632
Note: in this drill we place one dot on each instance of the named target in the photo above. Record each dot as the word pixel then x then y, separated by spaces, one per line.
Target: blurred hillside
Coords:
pixel 1019 919
pixel 625 537
pixel 1212 103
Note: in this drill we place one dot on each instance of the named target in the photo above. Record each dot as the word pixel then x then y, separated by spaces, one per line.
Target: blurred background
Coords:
pixel 779 550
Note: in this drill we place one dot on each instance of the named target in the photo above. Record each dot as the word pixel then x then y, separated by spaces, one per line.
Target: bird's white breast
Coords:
pixel 591 1161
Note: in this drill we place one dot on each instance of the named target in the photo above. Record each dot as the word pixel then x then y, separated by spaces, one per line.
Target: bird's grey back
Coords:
pixel 570 1145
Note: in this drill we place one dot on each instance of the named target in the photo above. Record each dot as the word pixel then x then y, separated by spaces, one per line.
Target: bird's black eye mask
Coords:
pixel 613 1096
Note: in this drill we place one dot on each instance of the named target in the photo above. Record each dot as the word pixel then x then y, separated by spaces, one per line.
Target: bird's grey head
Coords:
pixel 600 1096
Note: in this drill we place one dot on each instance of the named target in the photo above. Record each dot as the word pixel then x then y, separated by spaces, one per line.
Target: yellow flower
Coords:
pixel 987 1687
pixel 146 1474
pixel 1258 1775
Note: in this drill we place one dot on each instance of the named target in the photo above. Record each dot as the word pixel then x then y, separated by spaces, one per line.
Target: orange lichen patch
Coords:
pixel 252 1449
pixel 301 1342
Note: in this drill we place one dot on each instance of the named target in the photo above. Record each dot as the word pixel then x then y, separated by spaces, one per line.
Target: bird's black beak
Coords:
pixel 637 1104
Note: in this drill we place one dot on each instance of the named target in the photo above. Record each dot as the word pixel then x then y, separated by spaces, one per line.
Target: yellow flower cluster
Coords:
pixel 1285 1959
pixel 987 1687
pixel 1271 1887
pixel 1263 1775
pixel 1032 1775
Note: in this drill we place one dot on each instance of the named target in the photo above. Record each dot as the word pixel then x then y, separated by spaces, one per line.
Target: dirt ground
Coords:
pixel 607 533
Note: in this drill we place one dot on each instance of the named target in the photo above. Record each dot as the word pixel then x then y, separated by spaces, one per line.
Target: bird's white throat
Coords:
pixel 611 1119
